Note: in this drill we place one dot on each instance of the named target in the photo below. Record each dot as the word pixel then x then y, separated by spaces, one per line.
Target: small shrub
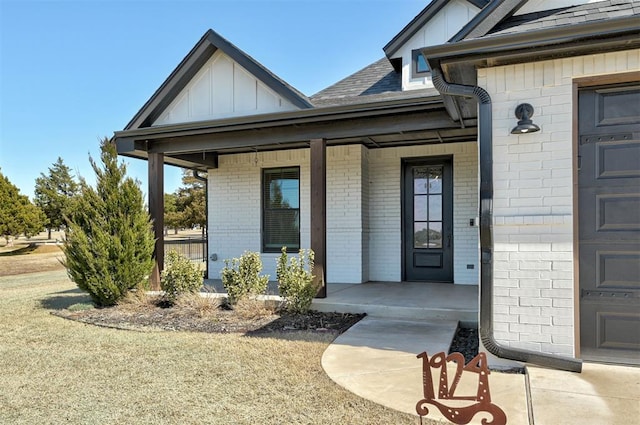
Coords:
pixel 295 283
pixel 241 277
pixel 180 276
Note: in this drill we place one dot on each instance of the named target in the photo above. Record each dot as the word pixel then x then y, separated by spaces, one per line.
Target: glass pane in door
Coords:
pixel 427 207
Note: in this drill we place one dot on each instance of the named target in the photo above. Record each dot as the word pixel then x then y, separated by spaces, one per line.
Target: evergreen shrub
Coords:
pixel 180 276
pixel 241 277
pixel 109 244
pixel 295 280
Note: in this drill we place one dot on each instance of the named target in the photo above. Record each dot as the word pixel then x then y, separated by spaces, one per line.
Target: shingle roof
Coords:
pixel 379 81
pixel 376 82
pixel 573 15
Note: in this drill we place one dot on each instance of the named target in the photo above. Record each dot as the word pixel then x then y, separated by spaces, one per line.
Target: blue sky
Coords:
pixel 72 72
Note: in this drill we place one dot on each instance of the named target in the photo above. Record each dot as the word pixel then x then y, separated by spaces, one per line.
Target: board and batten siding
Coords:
pixel 533 198
pixel 222 88
pixel 440 28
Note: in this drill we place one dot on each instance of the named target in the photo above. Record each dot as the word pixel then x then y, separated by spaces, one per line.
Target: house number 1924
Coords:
pixel 481 402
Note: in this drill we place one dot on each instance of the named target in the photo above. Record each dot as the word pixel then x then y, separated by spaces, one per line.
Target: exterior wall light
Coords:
pixel 524 111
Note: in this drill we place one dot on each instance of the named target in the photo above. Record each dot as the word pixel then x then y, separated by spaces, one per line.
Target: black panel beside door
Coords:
pixel 428 220
pixel 609 223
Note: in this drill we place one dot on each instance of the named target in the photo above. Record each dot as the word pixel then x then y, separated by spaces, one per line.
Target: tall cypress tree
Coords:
pixel 54 194
pixel 110 241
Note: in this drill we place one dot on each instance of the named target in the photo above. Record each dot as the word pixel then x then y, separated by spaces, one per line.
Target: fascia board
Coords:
pixel 543 38
pixel 413 27
pixel 282 118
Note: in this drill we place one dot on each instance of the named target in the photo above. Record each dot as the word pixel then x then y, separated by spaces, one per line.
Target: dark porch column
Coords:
pixel 319 211
pixel 156 210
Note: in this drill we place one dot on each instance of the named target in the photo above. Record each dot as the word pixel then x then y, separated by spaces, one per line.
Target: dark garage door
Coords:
pixel 609 223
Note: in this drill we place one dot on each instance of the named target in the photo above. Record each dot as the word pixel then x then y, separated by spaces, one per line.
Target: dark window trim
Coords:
pixel 263 209
pixel 414 65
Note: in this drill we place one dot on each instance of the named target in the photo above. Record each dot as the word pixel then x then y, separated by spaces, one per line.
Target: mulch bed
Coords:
pixel 155 317
pixel 466 342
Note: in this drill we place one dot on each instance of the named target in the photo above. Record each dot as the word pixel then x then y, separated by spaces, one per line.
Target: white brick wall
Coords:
pixel 385 250
pixel 344 214
pixel 363 209
pixel 365 214
pixel 533 199
pixel 235 210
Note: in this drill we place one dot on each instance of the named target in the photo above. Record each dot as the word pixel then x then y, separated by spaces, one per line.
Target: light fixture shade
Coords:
pixel 524 112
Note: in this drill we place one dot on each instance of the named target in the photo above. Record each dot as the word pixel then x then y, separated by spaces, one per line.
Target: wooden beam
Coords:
pixel 319 212
pixel 187 142
pixel 156 210
pixel 206 159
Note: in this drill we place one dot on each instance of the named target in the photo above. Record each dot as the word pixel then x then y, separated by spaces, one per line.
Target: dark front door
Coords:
pixel 609 223
pixel 428 220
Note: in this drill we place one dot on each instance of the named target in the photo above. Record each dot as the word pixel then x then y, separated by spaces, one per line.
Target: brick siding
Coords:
pixel 533 200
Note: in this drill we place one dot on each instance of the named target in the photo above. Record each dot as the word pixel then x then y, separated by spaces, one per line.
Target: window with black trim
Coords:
pixel 419 65
pixel 280 209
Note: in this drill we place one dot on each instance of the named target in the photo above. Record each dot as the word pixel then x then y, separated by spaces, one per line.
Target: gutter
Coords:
pixel 300 116
pixel 485 141
pixel 197 176
pixel 546 38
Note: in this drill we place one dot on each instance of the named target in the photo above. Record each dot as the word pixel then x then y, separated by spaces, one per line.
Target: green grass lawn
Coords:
pixel 55 371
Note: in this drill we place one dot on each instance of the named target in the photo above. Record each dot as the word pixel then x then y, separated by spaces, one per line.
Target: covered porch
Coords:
pixel 233 132
pixel 396 124
pixel 420 301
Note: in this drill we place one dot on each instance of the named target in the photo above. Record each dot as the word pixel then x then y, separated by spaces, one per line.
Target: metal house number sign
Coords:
pixel 460 415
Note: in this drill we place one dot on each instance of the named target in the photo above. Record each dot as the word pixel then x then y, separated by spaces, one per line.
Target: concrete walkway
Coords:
pixel 376 359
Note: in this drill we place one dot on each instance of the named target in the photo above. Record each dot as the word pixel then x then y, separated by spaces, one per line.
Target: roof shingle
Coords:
pixel 590 12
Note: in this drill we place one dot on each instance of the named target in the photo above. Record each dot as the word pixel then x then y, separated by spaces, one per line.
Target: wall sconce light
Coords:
pixel 524 112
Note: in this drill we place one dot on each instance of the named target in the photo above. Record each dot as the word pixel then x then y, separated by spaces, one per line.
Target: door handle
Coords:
pixel 449 241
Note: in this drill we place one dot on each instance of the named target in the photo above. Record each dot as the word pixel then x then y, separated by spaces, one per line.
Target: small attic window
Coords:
pixel 419 65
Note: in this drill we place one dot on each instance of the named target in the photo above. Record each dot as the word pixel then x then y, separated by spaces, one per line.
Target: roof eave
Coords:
pixel 281 118
pixel 198 55
pixel 491 15
pixel 413 27
pixel 547 39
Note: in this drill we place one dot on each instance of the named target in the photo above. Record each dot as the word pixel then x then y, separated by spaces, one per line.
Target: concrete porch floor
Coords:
pixel 403 300
pixel 394 300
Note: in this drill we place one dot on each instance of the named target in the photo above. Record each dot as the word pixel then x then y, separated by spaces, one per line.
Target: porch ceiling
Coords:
pixel 197 145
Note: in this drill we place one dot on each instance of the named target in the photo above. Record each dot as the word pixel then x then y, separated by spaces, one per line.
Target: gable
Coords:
pixel 437 29
pixel 222 88
pixel 191 91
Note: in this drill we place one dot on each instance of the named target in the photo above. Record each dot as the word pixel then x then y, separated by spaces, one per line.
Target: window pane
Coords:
pixel 282 228
pixel 420 180
pixel 420 235
pixel 435 180
pixel 421 63
pixel 283 193
pixel 435 208
pixel 420 208
pixel 281 208
pixel 435 235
